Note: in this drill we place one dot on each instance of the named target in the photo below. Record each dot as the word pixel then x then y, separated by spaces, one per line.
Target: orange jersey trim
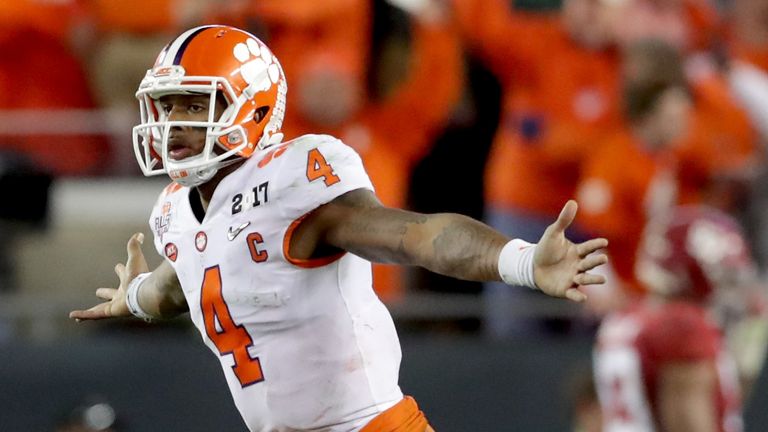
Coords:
pixel 404 416
pixel 305 263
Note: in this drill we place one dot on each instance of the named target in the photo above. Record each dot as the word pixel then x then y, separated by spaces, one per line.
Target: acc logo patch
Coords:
pixel 171 252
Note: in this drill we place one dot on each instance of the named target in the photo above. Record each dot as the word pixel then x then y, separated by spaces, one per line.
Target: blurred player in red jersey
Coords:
pixel 661 364
pixel 256 234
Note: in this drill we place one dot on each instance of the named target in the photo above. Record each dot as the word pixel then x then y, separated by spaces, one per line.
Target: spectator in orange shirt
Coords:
pixel 558 75
pixel 552 118
pixel 559 86
pixel 719 158
pixel 331 28
pixel 749 32
pixel 722 143
pixel 631 175
pixel 393 134
pixel 748 67
pixel 121 36
pixel 55 18
pixel 38 72
pixel 748 78
pixel 673 150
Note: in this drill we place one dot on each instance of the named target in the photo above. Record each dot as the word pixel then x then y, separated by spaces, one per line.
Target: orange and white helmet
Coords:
pixel 211 60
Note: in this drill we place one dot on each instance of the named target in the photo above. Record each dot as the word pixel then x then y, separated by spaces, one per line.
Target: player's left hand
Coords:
pixel 560 266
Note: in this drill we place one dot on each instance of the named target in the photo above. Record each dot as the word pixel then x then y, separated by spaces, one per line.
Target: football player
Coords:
pixel 268 245
pixel 661 364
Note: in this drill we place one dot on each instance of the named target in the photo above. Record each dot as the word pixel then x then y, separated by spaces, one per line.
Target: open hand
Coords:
pixel 560 266
pixel 115 306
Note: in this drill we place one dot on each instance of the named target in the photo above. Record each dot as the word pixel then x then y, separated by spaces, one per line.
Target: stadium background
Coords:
pixel 72 195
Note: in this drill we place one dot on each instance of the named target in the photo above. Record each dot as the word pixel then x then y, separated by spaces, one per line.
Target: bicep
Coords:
pixel 686 395
pixel 357 222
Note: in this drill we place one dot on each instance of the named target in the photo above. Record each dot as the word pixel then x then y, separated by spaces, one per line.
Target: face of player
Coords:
pixel 187 141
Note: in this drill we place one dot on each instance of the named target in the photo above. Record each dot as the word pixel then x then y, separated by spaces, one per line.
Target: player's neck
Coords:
pixel 206 190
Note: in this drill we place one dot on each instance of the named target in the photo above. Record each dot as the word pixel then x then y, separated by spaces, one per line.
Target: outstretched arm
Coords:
pixel 160 295
pixel 449 244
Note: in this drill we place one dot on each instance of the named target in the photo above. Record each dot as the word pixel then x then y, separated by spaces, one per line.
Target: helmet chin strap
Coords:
pixel 197 176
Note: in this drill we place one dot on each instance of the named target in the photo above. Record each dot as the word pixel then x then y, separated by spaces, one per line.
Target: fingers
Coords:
pixel 567 214
pixel 591 262
pixel 100 311
pixel 134 244
pixel 589 246
pixel 588 279
pixel 106 293
pixel 136 262
pixel 574 294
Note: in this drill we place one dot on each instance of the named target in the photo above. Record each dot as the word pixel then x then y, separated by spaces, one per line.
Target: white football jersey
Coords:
pixel 304 344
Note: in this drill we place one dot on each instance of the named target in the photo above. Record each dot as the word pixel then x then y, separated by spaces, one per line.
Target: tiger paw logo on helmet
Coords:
pixel 259 68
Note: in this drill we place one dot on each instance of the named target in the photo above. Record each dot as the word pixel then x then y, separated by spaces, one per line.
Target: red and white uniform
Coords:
pixel 632 347
pixel 304 344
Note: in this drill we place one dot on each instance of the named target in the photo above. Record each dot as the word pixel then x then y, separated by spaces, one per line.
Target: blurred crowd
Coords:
pixel 497 109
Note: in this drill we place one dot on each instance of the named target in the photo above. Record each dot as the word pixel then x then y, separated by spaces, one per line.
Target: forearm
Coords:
pixel 457 246
pixel 449 244
pixel 160 295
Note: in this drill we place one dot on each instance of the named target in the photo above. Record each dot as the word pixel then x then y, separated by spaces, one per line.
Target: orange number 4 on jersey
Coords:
pixel 318 167
pixel 232 338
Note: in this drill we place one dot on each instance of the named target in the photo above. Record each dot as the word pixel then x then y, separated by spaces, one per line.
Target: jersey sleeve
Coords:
pixel 681 335
pixel 315 170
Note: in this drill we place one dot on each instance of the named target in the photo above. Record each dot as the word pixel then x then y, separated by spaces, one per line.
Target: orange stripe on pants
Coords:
pixel 405 416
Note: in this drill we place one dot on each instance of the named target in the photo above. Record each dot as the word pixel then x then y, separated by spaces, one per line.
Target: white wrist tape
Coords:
pixel 516 263
pixel 132 297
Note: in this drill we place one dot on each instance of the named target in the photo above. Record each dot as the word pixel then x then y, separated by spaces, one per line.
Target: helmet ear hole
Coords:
pixel 260 114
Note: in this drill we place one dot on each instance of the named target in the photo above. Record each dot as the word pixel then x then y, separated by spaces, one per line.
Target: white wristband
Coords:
pixel 516 263
pixel 132 297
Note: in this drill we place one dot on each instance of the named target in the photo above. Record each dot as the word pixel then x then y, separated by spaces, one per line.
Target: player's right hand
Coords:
pixel 115 305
